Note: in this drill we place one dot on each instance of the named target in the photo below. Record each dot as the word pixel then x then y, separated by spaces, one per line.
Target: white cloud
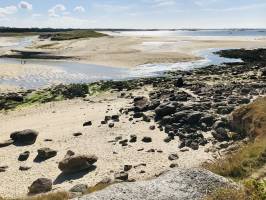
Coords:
pixel 79 9
pixel 160 3
pixel 25 5
pixel 57 10
pixel 8 10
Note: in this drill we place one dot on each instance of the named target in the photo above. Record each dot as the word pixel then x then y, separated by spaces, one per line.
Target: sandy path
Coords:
pixel 58 121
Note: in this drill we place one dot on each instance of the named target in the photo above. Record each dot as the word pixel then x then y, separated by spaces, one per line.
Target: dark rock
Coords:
pixel 179 81
pixel 24 168
pixel 173 156
pixel 123 176
pixel 127 167
pixel 147 139
pixel 194 146
pixel 138 115
pixel 77 134
pixel 6 143
pixel 74 163
pixel 41 185
pixel 173 165
pixel 25 137
pixel 194 118
pixel 3 168
pixel 24 156
pixel 111 125
pixel 115 118
pixel 152 127
pixel 164 109
pixel 220 134
pixel 133 139
pixel 88 123
pixel 45 153
pixel 168 139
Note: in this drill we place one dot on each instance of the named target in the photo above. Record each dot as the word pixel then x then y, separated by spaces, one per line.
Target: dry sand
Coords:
pixel 59 120
pixel 131 51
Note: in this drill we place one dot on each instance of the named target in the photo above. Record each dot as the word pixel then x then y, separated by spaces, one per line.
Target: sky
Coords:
pixel 133 13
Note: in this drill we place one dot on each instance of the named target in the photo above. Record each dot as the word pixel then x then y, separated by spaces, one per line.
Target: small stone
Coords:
pixel 151 151
pixel 3 168
pixel 173 156
pixel 46 153
pixel 24 156
pixel 127 167
pixel 111 125
pixel 173 165
pixel 133 139
pixel 152 127
pixel 184 149
pixel 167 139
pixel 77 134
pixel 147 139
pixel 121 176
pixel 194 146
pixel 88 123
pixel 24 168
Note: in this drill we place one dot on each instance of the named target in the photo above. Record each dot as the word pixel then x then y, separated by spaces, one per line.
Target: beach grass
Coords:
pixel 241 164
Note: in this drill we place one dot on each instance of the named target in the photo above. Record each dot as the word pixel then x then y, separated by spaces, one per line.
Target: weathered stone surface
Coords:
pixel 25 137
pixel 24 156
pixel 41 185
pixel 177 184
pixel 46 153
pixel 74 163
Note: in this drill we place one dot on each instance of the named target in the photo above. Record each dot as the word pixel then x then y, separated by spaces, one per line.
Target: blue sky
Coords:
pixel 134 13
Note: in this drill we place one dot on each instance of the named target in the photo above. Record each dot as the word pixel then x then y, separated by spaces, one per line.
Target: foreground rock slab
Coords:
pixel 178 184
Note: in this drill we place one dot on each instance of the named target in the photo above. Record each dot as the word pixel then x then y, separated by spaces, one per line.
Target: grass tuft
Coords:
pixel 242 163
pixel 252 190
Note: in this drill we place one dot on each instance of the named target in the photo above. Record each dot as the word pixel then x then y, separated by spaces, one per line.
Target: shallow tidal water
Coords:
pixel 76 72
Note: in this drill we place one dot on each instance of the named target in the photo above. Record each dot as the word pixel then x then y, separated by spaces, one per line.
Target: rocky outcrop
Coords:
pixel 250 120
pixel 177 184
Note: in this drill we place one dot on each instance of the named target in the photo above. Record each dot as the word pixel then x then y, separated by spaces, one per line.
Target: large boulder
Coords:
pixel 177 184
pixel 25 137
pixel 73 163
pixel 41 185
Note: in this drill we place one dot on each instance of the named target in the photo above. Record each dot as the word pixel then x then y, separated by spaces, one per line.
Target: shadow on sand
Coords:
pixel 72 176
